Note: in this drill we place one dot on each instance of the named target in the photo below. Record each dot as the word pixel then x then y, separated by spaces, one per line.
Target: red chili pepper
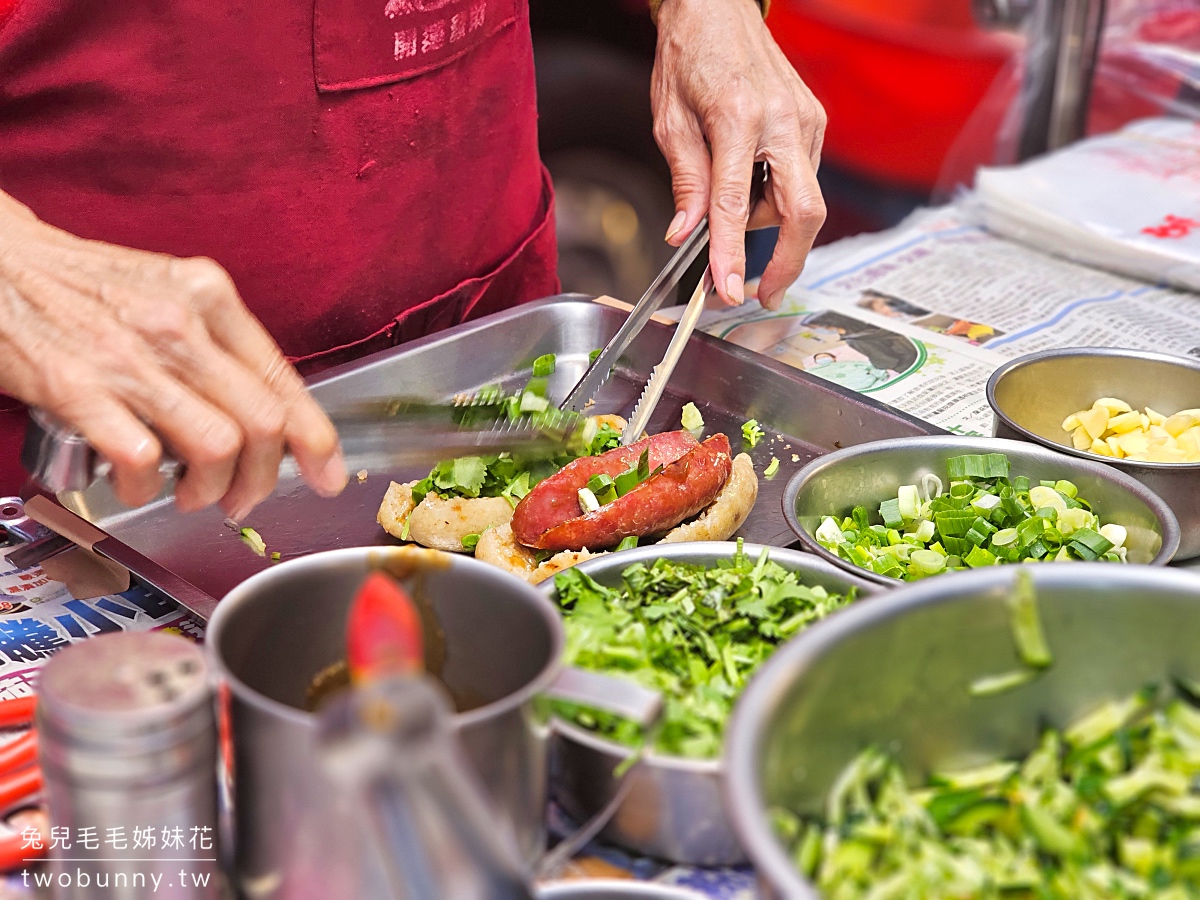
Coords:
pixel 17 712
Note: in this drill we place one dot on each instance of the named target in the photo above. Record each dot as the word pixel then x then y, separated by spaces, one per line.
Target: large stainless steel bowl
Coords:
pixel 674 809
pixel 1032 395
pixel 868 474
pixel 896 674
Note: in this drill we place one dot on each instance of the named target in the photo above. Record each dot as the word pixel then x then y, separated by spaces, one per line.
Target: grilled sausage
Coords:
pixel 556 499
pixel 684 487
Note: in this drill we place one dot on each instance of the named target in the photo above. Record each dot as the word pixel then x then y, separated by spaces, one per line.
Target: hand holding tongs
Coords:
pixel 598 373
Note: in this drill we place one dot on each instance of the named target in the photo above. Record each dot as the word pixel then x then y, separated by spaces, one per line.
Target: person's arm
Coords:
pixel 724 96
pixel 128 347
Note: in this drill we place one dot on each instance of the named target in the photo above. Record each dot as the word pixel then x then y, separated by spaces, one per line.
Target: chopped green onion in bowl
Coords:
pixel 986 516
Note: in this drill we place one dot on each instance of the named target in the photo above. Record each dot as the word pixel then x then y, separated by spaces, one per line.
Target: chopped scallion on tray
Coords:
pixel 986 517
pixel 752 433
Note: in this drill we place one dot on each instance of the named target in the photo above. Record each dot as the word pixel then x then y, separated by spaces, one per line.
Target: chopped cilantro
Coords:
pixel 696 634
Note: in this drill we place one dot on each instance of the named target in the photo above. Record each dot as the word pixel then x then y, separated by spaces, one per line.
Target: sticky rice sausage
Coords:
pixel 684 487
pixel 555 500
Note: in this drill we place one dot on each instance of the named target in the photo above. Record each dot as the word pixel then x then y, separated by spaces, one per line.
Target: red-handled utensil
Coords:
pixel 384 635
pixel 17 712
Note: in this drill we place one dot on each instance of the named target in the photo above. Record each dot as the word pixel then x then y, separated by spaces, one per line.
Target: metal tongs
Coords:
pixel 374 434
pixel 662 286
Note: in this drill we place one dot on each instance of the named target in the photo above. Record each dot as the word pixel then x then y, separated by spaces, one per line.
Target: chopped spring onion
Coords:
pixel 909 501
pixel 982 520
pixel 276 556
pixel 531 402
pixel 544 365
pixel 254 541
pixel 595 355
pixel 628 543
pixel 603 487
pixel 691 419
pixel 977 465
pixel 470 542
pixel 587 501
pixel 772 468
pixel 752 433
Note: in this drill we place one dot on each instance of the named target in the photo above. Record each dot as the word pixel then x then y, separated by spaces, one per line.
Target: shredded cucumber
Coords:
pixel 1106 809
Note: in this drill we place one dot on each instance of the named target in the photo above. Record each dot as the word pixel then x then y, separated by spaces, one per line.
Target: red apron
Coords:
pixel 366 170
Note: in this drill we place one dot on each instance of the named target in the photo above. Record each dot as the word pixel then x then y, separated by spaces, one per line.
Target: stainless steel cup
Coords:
pixel 297 834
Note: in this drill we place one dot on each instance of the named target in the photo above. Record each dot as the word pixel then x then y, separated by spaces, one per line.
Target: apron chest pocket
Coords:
pixel 362 43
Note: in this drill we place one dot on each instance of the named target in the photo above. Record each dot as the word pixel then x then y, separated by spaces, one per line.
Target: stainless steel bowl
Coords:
pixel 1031 396
pixel 674 808
pixel 868 474
pixel 613 889
pixel 896 674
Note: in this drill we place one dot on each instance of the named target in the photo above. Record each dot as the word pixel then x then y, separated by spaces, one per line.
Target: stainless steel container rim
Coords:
pixel 1032 358
pixel 652 552
pixel 743 796
pixel 1166 517
pixel 244 592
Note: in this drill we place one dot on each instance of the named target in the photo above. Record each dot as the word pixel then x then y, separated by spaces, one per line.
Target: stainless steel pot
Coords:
pixel 674 808
pixel 1032 395
pixel 297 834
pixel 868 474
pixel 896 673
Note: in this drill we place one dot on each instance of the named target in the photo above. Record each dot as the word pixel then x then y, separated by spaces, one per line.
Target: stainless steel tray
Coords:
pixel 803 416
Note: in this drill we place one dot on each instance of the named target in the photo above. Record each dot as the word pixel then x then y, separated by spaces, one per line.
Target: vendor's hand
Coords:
pixel 126 345
pixel 725 96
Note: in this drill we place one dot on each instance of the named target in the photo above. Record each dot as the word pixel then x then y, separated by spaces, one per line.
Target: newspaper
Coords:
pixel 38 616
pixel 919 317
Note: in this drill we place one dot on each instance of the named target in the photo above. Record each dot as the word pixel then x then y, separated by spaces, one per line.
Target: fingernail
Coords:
pixel 333 476
pixel 735 289
pixel 676 224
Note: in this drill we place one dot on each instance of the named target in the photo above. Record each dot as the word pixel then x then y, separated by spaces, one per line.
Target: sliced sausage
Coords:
pixel 680 491
pixel 556 499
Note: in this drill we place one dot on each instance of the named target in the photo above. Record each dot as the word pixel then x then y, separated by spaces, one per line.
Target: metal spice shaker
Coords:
pixel 128 752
